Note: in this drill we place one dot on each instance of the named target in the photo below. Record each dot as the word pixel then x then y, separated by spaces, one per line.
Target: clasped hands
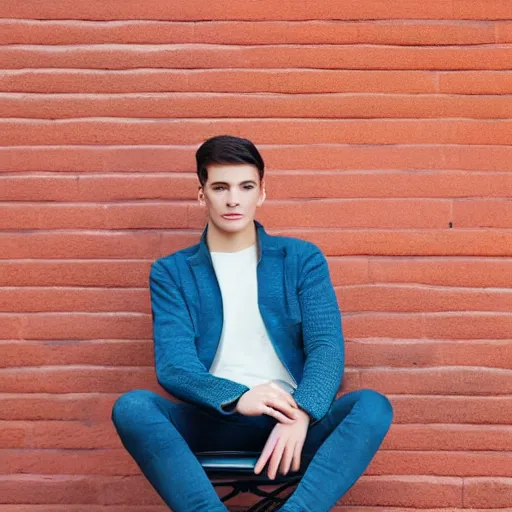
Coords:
pixel 284 445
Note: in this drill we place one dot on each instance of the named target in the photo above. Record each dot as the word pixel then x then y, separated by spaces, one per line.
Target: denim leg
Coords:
pixel 341 445
pixel 162 437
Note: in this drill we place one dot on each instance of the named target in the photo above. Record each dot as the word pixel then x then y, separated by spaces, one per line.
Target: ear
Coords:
pixel 200 196
pixel 263 194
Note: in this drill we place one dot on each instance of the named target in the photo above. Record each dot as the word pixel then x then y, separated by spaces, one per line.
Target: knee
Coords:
pixel 131 406
pixel 378 410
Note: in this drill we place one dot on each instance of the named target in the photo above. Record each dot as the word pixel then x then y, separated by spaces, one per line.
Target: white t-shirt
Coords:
pixel 245 353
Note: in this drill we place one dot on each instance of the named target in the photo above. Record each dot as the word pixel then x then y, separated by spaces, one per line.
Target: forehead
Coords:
pixel 232 173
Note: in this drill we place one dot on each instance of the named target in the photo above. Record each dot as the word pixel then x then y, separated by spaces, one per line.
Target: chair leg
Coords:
pixel 271 500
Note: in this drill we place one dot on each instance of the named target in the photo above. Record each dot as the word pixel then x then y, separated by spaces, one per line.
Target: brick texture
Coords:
pixel 387 132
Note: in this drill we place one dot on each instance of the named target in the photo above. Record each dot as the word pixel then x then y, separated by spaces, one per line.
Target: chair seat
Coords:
pixel 239 465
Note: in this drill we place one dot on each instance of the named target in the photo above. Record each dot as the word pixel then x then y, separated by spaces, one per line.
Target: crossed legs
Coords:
pixel 163 436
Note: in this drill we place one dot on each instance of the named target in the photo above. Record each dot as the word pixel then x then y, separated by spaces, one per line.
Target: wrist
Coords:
pixel 303 415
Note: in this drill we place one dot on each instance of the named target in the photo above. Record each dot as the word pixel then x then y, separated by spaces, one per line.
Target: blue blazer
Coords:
pixel 298 306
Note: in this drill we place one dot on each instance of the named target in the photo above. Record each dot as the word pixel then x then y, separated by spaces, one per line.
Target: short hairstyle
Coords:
pixel 227 149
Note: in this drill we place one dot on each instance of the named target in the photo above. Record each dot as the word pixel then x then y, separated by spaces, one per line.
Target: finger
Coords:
pixel 283 407
pixel 275 460
pixel 286 461
pixel 297 454
pixel 280 417
pixel 266 452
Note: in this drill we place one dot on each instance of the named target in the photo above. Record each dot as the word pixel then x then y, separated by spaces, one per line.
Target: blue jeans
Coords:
pixel 162 437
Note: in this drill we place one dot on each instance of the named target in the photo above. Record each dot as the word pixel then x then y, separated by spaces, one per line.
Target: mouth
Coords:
pixel 232 216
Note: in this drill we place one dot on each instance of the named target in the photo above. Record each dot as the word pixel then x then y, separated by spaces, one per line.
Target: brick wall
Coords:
pixel 386 127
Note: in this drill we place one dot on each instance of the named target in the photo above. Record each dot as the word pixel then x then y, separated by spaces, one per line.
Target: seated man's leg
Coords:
pixel 342 445
pixel 161 436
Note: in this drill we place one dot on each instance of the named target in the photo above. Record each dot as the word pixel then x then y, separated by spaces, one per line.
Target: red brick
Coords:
pixel 58 244
pixel 96 273
pixel 475 82
pixel 402 157
pixel 439 381
pixel 268 56
pixel 468 326
pixel 72 489
pixel 12 435
pixel 227 10
pixel 415 298
pixel 297 157
pixel 424 353
pixel 304 131
pixel 98 188
pixel 263 10
pixel 467 271
pixel 437 463
pixel 143 132
pixel 97 158
pixel 482 213
pixel 97 352
pixel 348 270
pixel 58 434
pixel 487 492
pixel 383 325
pixel 77 380
pixel 475 410
pixel 448 437
pixel 214 80
pixel 86 407
pixel 480 9
pixel 504 32
pixel 351 213
pixel 262 32
pixel 69 462
pixel 95 216
pixel 10 327
pixel 76 326
pixel 282 184
pixel 31 489
pixel 406 491
pixel 258 105
pixel 409 242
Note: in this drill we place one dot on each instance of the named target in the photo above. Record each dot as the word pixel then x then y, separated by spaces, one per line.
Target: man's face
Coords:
pixel 232 189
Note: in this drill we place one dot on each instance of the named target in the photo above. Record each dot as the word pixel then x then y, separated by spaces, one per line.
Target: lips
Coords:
pixel 233 216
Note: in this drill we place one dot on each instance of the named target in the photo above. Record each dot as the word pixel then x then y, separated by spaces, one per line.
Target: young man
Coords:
pixel 247 333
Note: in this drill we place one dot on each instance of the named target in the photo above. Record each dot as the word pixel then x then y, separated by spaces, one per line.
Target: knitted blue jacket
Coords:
pixel 297 304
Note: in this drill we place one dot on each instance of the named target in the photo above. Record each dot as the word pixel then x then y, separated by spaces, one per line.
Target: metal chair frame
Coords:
pixel 236 470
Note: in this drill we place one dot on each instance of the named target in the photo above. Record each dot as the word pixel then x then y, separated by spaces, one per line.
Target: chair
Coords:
pixel 236 470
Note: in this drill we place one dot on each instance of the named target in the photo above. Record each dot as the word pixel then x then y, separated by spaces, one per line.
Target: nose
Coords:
pixel 232 199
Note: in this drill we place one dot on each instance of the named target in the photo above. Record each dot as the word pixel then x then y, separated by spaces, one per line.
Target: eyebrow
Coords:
pixel 226 183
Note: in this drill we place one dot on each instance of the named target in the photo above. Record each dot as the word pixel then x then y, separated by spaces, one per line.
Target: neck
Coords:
pixel 222 241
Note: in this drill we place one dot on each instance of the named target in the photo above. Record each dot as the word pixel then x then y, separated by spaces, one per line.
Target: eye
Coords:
pixel 248 187
pixel 220 187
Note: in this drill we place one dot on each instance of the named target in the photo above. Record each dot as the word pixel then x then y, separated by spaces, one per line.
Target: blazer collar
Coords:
pixel 264 242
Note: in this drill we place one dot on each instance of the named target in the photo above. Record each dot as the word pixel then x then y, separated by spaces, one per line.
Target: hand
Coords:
pixel 284 447
pixel 270 399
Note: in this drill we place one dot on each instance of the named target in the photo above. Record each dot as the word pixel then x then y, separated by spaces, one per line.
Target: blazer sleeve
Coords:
pixel 178 368
pixel 322 337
